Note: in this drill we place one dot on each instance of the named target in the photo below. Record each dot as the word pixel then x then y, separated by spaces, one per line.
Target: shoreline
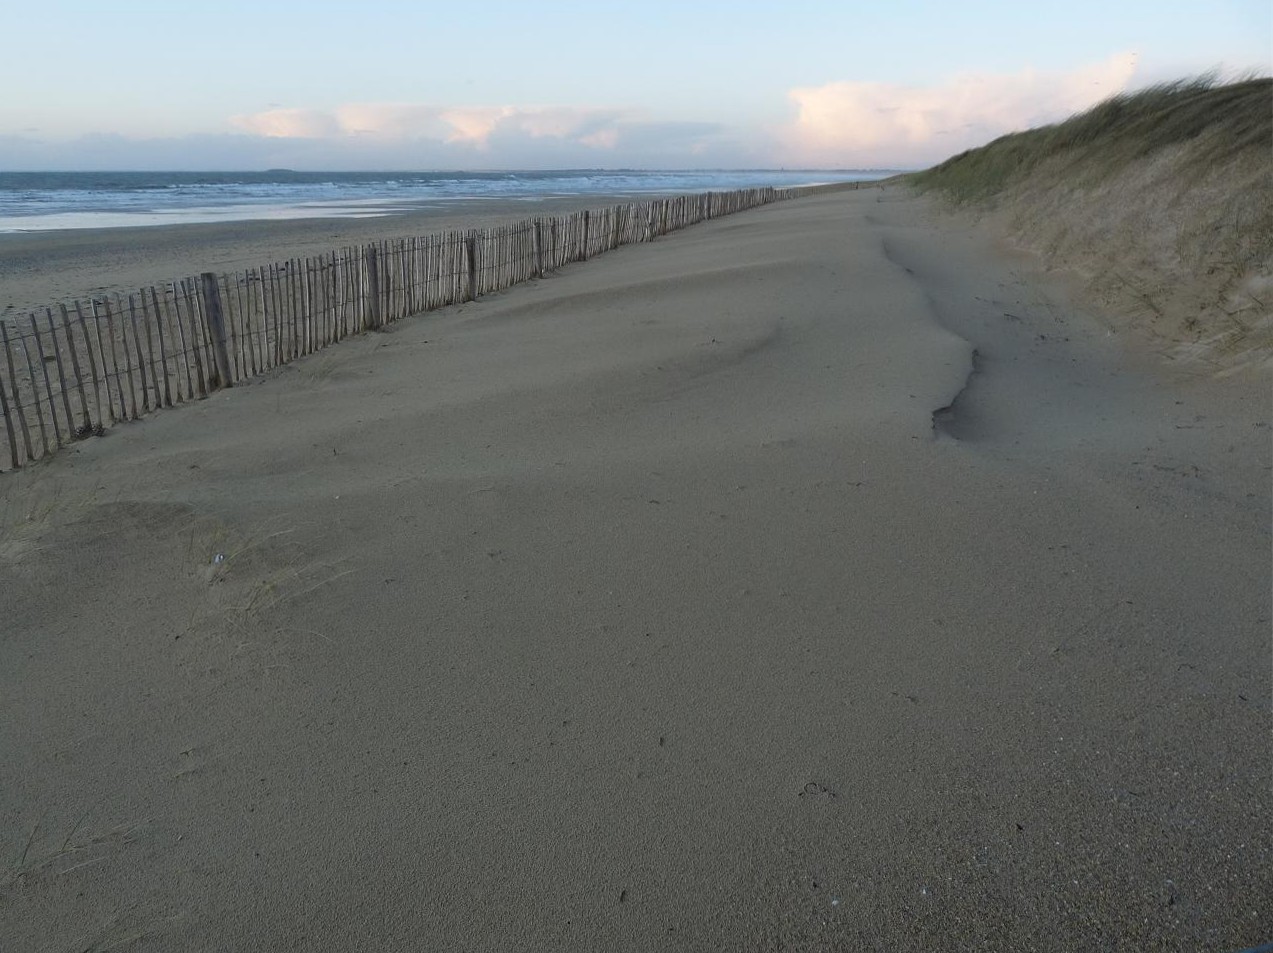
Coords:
pixel 44 267
pixel 36 202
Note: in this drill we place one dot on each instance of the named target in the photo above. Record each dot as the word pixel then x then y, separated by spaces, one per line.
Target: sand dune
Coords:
pixel 649 607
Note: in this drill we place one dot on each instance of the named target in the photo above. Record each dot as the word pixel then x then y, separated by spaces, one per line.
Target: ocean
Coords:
pixel 42 201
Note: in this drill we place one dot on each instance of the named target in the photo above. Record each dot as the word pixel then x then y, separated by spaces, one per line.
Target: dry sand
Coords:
pixel 644 608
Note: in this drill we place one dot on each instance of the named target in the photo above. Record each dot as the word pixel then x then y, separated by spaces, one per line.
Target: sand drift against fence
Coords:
pixel 71 371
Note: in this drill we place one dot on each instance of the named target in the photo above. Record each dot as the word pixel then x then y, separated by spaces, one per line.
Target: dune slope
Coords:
pixel 1161 201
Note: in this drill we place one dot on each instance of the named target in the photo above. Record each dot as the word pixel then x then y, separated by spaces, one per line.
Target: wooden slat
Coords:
pixel 293 302
pixel 308 306
pixel 35 394
pixel 92 363
pixel 106 373
pixel 17 402
pixel 86 425
pixel 262 328
pixel 318 300
pixel 48 384
pixel 163 345
pixel 141 359
pixel 275 314
pixel 371 256
pixel 119 381
pixel 242 340
pixel 7 413
pixel 189 340
pixel 147 323
pixel 133 411
pixel 214 315
pixel 61 373
pixel 243 291
pixel 333 278
pixel 227 313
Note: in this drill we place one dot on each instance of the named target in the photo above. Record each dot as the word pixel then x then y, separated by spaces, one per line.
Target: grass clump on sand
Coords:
pixel 1161 199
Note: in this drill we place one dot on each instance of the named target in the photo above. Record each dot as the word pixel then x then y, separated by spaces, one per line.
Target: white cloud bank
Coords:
pixel 842 124
pixel 837 125
pixel 865 125
pixel 421 136
pixel 472 126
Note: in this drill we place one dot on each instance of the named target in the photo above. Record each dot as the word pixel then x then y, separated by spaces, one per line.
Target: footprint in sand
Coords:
pixel 819 792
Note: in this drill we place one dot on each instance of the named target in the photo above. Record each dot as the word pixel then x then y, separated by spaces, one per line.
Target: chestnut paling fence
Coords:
pixel 72 371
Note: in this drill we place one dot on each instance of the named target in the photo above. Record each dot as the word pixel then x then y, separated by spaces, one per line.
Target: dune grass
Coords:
pixel 1218 122
pixel 1161 201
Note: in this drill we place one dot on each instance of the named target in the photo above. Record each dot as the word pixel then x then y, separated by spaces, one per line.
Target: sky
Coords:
pixel 487 84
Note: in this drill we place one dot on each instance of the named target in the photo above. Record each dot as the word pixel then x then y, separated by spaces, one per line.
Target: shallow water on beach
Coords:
pixel 42 201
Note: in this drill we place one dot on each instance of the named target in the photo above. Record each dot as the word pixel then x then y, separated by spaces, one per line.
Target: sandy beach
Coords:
pixel 818 578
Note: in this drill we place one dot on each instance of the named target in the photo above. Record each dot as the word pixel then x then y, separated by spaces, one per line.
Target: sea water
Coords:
pixel 41 201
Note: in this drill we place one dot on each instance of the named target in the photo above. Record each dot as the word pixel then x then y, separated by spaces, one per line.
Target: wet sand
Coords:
pixel 818 578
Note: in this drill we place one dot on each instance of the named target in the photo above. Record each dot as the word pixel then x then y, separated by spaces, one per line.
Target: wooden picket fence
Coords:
pixel 72 371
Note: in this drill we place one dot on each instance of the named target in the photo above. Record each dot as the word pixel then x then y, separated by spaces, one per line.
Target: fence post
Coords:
pixel 470 243
pixel 17 402
pixel 6 412
pixel 539 248
pixel 373 287
pixel 216 326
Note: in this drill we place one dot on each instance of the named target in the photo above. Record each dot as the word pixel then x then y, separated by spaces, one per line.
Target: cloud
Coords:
pixel 601 139
pixel 419 134
pixel 376 119
pixel 288 124
pixel 472 126
pixel 389 121
pixel 853 124
pixel 406 137
pixel 842 124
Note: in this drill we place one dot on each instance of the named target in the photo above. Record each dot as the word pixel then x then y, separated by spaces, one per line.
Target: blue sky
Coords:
pixel 381 84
